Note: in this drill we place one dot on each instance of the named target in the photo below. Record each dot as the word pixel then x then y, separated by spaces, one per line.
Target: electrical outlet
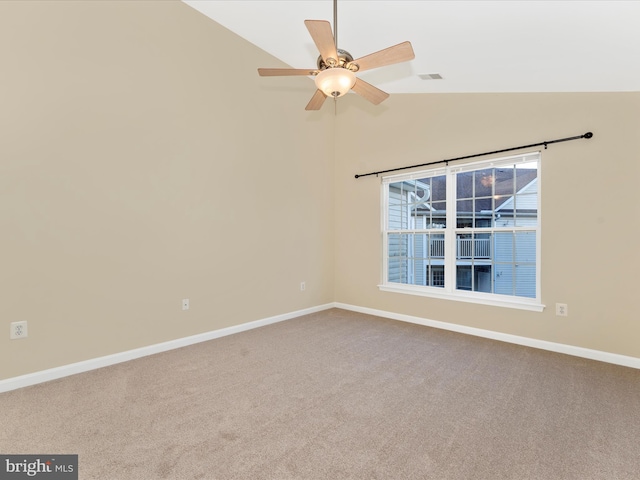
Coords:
pixel 303 286
pixel 18 330
pixel 185 304
pixel 562 309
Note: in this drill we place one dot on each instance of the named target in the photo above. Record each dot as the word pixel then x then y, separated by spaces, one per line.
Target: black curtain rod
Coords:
pixel 548 142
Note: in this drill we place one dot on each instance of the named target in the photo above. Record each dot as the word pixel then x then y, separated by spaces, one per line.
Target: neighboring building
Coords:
pixel 490 198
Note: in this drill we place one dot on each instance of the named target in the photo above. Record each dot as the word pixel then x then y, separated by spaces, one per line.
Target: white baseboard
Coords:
pixel 599 355
pixel 94 363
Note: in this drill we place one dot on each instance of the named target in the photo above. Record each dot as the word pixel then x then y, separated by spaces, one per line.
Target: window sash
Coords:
pixel 451 235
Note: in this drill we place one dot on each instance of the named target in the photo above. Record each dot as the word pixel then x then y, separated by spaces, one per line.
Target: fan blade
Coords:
pixel 279 72
pixel 316 101
pixel 368 91
pixel 322 36
pixel 396 54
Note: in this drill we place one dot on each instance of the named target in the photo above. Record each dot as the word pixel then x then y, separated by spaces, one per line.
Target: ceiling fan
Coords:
pixel 336 70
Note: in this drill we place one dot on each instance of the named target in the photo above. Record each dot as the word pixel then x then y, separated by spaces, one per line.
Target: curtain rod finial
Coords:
pixel 588 135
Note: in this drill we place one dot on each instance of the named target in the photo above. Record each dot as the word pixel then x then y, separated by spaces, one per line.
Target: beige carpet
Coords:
pixel 338 395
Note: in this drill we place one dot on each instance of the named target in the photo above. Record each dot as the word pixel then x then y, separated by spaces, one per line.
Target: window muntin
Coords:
pixel 484 243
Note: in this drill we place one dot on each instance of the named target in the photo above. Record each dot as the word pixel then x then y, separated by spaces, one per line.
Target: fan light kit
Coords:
pixel 335 82
pixel 336 72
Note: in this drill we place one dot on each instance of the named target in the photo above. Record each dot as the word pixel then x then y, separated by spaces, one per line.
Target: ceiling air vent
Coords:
pixel 430 76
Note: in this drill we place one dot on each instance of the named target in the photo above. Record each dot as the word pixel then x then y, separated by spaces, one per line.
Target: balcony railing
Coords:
pixel 465 248
pixel 473 248
pixel 436 248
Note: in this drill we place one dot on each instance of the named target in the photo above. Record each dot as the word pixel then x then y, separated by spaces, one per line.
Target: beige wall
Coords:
pixel 590 219
pixel 134 174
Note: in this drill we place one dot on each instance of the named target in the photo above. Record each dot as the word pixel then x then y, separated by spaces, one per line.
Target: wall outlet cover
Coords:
pixel 18 330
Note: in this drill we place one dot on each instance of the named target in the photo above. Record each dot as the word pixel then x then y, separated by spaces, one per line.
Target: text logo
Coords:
pixel 44 467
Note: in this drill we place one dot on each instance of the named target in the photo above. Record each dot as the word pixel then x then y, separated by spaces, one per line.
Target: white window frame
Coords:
pixel 449 292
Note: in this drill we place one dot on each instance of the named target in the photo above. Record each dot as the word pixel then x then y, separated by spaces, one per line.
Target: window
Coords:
pixel 465 232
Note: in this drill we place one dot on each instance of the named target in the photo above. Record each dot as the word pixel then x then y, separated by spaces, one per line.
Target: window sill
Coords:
pixel 494 300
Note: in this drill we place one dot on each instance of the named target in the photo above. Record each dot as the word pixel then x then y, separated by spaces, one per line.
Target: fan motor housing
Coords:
pixel 344 59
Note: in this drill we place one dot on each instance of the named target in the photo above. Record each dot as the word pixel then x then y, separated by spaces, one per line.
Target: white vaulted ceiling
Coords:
pixel 477 46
